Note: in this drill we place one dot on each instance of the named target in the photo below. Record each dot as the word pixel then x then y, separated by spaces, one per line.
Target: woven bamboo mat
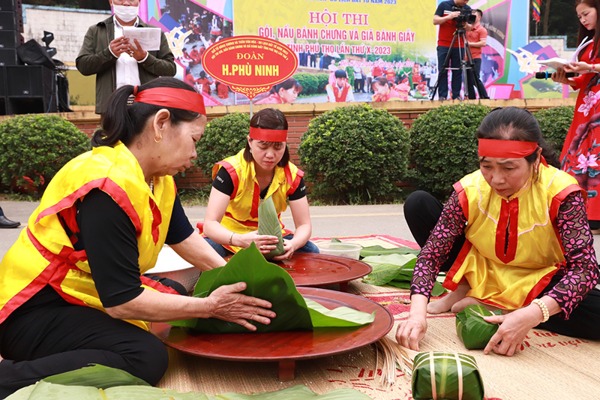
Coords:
pixel 550 367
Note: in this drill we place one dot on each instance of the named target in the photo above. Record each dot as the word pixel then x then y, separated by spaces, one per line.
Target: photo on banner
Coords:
pixel 348 51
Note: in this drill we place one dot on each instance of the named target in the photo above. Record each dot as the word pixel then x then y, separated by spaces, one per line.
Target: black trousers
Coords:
pixel 422 212
pixel 47 336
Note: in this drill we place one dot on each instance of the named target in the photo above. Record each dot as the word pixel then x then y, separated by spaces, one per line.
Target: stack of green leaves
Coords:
pixel 272 283
pixel 439 375
pixel 268 224
pixel 395 269
pixel 472 329
pixel 104 383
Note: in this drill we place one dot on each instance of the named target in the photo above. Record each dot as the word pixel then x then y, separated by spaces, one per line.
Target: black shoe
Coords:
pixel 6 223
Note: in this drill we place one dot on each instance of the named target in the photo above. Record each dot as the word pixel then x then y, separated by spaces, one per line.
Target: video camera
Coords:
pixel 466 16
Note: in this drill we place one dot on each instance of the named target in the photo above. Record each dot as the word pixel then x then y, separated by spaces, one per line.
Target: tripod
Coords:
pixel 470 82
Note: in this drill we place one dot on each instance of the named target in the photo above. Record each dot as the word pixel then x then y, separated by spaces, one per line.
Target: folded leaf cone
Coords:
pixel 268 224
pixel 270 282
pixel 472 329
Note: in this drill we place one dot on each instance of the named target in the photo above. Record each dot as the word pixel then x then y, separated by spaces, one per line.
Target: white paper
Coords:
pixel 554 62
pixel 581 46
pixel 149 38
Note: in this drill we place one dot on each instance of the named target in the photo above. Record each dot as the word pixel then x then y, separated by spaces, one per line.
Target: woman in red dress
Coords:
pixel 581 149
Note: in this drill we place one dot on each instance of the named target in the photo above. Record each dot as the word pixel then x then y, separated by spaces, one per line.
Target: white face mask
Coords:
pixel 126 13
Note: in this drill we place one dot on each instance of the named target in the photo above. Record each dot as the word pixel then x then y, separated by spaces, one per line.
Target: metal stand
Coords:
pixel 466 66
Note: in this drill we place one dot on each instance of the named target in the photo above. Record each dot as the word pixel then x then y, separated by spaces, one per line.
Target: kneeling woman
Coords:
pixel 259 171
pixel 524 244
pixel 72 290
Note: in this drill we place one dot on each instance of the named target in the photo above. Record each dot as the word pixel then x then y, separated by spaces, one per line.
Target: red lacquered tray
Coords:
pixel 285 347
pixel 308 269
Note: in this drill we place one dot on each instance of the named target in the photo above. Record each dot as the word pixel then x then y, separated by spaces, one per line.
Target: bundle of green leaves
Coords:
pixel 472 329
pixel 272 283
pixel 100 382
pixel 395 268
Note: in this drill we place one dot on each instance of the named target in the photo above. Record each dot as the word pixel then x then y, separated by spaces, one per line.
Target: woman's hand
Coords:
pixel 288 248
pixel 264 243
pixel 580 67
pixel 411 332
pixel 560 76
pixel 228 304
pixel 514 326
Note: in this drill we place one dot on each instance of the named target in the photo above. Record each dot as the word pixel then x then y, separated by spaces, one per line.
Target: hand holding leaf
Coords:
pixel 228 304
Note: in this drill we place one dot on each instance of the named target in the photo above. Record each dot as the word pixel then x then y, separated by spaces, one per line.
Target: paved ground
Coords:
pixel 327 221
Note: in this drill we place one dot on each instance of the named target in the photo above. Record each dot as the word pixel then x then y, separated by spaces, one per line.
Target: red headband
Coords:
pixel 171 97
pixel 268 135
pixel 506 148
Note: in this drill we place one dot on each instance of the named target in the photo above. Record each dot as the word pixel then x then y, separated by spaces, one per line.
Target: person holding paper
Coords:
pixel 116 60
pixel 580 153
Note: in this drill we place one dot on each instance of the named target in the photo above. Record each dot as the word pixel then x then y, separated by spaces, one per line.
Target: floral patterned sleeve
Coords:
pixel 450 226
pixel 580 274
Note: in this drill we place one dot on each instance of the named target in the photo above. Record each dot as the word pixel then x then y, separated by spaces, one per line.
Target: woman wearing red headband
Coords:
pixel 513 236
pixel 72 290
pixel 259 171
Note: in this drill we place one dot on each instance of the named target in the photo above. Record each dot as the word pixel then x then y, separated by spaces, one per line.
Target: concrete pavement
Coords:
pixel 328 221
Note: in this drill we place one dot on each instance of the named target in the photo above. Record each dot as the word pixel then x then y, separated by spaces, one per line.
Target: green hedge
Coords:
pixel 33 148
pixel 555 123
pixel 444 146
pixel 222 138
pixel 355 155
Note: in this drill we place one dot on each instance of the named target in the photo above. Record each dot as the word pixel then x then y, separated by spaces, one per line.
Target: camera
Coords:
pixel 465 17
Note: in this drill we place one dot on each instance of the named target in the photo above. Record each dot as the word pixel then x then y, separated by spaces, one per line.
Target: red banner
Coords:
pixel 250 64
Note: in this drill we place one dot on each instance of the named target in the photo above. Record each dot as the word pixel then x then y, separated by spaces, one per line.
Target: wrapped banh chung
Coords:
pixel 450 376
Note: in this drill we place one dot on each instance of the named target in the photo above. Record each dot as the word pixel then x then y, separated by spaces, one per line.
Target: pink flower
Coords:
pixel 588 102
pixel 586 161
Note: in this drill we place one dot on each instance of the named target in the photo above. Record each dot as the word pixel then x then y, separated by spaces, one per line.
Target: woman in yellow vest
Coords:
pixel 513 236
pixel 261 170
pixel 72 290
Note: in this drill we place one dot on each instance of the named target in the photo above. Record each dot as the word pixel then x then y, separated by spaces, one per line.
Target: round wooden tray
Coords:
pixel 289 346
pixel 309 269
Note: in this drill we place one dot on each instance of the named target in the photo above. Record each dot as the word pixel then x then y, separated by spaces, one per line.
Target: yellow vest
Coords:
pixel 510 270
pixel 241 215
pixel 44 254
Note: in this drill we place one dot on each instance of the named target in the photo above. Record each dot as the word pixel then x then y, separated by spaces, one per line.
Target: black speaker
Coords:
pixel 2 82
pixel 3 101
pixel 29 80
pixel 8 57
pixel 10 5
pixel 7 21
pixel 30 89
pixel 32 53
pixel 10 39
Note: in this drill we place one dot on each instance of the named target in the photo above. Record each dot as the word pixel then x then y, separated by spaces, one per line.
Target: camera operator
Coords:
pixel 450 15
pixel 476 37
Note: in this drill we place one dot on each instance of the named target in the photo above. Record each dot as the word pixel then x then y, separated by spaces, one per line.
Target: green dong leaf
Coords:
pixel 472 329
pixel 268 224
